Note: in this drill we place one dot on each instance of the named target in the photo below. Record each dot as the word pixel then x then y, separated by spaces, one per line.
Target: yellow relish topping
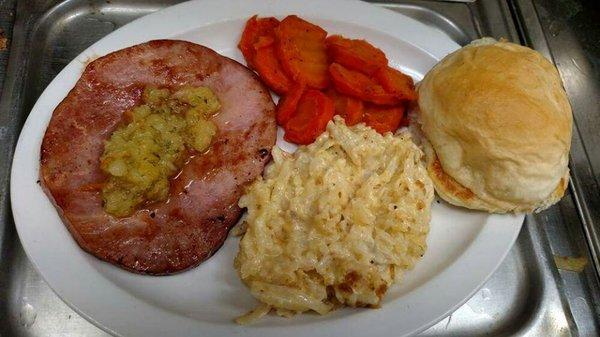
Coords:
pixel 141 156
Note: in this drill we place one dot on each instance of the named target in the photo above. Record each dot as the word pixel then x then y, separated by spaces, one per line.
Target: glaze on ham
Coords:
pixel 186 229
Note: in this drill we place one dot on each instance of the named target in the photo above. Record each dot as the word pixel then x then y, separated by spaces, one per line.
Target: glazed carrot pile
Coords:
pixel 319 76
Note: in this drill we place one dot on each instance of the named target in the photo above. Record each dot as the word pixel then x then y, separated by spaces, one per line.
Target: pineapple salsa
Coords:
pixel 141 156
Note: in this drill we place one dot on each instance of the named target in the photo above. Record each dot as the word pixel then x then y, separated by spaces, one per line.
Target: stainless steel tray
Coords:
pixel 526 296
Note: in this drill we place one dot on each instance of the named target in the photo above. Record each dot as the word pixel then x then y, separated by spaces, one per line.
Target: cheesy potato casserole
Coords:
pixel 335 223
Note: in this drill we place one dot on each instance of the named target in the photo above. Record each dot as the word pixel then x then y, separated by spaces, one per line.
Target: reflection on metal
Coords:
pixel 521 298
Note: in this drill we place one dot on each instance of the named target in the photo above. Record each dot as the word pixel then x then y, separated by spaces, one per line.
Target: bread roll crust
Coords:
pixel 498 124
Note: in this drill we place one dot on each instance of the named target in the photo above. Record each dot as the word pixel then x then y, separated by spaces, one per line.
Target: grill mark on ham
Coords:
pixel 181 232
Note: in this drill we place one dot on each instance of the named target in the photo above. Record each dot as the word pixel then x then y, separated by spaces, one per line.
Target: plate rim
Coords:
pixel 141 30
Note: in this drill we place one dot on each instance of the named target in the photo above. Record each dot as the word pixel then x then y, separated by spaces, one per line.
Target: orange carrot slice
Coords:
pixel 301 51
pixel 313 113
pixel 270 71
pixel 357 55
pixel 350 108
pixel 264 41
pixel 396 83
pixel 286 107
pixel 382 118
pixel 254 29
pixel 358 85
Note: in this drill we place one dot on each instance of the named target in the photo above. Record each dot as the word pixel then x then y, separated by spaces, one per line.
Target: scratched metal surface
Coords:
pixel 527 296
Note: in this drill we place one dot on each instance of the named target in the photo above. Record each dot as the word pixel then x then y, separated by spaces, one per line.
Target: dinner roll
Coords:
pixel 497 127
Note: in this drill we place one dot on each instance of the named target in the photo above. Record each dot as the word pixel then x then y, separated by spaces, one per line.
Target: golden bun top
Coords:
pixel 498 123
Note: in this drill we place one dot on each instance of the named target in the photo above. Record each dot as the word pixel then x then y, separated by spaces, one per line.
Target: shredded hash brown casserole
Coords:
pixel 335 223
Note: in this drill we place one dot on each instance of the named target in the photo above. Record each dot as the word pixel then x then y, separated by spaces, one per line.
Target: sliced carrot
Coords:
pixel 301 50
pixel 350 108
pixel 270 71
pixel 264 41
pixel 339 101
pixel 382 118
pixel 358 85
pixel 254 29
pixel 354 111
pixel 357 55
pixel 313 113
pixel 286 107
pixel 397 83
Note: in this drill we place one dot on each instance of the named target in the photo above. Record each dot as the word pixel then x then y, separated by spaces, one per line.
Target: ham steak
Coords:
pixel 192 224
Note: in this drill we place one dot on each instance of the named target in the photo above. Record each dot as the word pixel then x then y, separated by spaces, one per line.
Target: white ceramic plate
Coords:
pixel 464 247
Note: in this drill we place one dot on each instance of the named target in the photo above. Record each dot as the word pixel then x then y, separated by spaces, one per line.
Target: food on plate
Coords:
pixel 141 156
pixel 171 90
pixel 254 30
pixel 313 112
pixel 397 83
pixel 269 68
pixel 356 84
pixel 286 107
pixel 351 109
pixel 383 119
pixel 301 49
pixel 336 223
pixel 497 128
pixel 357 55
pixel 293 55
